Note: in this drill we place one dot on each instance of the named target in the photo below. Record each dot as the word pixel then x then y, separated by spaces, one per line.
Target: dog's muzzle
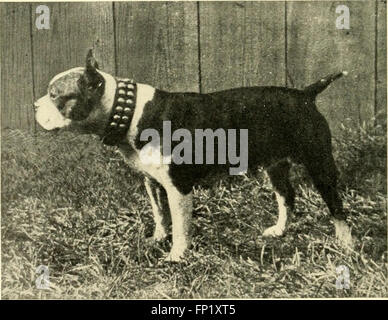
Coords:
pixel 48 116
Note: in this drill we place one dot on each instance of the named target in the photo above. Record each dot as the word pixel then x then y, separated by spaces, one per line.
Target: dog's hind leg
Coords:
pixel 323 172
pixel 285 196
pixel 160 208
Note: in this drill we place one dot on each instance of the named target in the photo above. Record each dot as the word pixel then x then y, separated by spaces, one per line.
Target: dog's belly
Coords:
pixel 185 176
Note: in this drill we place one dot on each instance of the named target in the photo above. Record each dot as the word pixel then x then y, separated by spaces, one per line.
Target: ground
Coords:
pixel 71 204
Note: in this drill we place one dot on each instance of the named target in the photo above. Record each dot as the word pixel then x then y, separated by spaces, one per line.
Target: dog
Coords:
pixel 284 126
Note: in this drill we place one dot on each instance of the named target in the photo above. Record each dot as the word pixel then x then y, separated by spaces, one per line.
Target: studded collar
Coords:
pixel 122 112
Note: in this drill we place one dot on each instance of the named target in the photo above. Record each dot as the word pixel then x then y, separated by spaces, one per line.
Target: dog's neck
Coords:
pixel 119 101
pixel 109 93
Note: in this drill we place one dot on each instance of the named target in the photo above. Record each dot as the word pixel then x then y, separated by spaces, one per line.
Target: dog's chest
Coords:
pixel 157 171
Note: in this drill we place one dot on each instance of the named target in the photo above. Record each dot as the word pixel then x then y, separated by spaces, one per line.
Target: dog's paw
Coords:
pixel 159 236
pixel 345 241
pixel 154 240
pixel 174 256
pixel 274 231
pixel 346 244
pixel 343 235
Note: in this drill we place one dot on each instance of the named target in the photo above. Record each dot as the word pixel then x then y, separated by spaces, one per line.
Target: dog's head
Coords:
pixel 73 97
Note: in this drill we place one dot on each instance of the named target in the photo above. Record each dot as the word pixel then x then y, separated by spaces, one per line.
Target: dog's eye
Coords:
pixel 61 105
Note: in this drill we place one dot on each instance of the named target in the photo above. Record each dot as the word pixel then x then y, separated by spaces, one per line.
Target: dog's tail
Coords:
pixel 317 87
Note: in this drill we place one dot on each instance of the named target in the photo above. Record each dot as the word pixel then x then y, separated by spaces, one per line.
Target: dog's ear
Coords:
pixel 91 62
pixel 91 79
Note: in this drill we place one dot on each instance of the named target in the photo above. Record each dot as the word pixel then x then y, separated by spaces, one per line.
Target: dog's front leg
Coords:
pixel 181 207
pixel 160 208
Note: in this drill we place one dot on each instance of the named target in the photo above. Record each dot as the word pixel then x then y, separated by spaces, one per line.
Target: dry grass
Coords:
pixel 72 204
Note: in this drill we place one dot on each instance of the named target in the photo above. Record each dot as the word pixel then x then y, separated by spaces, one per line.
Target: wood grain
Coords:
pixel 74 27
pixel 242 44
pixel 16 67
pixel 205 46
pixel 317 48
pixel 157 43
pixel 381 94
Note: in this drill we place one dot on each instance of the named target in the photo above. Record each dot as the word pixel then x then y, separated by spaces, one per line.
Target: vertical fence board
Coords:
pixel 381 103
pixel 242 44
pixel 16 68
pixel 157 43
pixel 316 48
pixel 74 27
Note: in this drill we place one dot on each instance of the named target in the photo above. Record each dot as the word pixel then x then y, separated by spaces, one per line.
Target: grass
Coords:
pixel 72 204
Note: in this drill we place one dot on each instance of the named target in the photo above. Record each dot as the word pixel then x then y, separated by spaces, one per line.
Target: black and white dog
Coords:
pixel 283 125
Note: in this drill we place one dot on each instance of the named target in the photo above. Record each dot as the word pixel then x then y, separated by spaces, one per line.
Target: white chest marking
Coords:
pixel 145 93
pixel 155 169
pixel 159 172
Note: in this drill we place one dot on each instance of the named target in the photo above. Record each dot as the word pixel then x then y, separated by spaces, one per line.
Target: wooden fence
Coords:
pixel 202 47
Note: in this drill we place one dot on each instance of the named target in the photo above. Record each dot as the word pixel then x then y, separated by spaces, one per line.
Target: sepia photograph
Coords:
pixel 193 150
